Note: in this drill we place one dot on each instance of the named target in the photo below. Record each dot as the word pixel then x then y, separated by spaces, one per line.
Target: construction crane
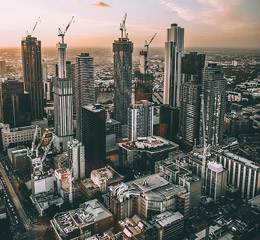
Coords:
pixel 47 149
pixel 123 28
pixel 34 139
pixel 148 44
pixel 62 33
pixel 38 20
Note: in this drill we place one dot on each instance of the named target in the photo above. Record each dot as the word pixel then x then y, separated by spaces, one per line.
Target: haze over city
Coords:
pixel 207 23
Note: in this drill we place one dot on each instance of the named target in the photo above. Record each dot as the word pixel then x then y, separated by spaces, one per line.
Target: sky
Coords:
pixel 207 23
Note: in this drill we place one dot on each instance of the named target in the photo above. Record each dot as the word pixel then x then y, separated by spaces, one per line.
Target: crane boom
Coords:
pixel 38 20
pixel 34 139
pixel 62 33
pixel 123 27
pixel 47 150
pixel 148 44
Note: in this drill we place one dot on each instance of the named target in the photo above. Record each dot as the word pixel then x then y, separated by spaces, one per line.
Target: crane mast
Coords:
pixel 123 28
pixel 62 33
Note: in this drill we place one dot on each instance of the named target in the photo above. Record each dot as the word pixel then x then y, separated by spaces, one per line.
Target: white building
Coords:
pixel 76 153
pixel 140 120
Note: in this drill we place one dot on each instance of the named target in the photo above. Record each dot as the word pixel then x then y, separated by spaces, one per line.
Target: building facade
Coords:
pixel 32 73
pixel 93 136
pixel 123 49
pixel 84 89
pixel 174 50
pixel 140 120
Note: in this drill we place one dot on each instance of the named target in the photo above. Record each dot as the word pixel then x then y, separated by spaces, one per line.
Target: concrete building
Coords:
pixel 169 225
pixel 143 153
pixel 214 91
pixel 93 136
pixel 76 153
pixel 112 133
pixel 32 73
pixel 137 228
pixel 241 173
pixel 63 101
pixel 123 49
pixel 89 219
pixel 14 105
pixel 178 172
pixel 140 120
pixel 215 180
pixel 105 177
pixel 174 50
pixel 2 68
pixel 19 159
pixel 147 196
pixel 84 89
pixel 18 136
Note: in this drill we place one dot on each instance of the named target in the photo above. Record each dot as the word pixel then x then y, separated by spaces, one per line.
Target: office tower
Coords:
pixel 214 91
pixel 63 102
pixel 169 122
pixel 174 50
pixel 189 124
pixel 93 136
pixel 123 49
pixel 76 152
pixel 32 72
pixel 44 71
pixel 14 107
pixel 140 120
pixel 143 80
pixel 84 89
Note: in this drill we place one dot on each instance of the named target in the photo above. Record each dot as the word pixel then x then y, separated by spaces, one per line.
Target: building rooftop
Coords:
pixel 166 218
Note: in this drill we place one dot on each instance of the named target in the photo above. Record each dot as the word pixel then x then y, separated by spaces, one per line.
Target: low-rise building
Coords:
pixel 169 225
pixel 19 135
pixel 146 197
pixel 89 219
pixel 144 152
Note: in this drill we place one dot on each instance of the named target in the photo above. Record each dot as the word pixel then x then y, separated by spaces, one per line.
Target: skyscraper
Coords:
pixel 84 89
pixel 94 136
pixel 63 102
pixel 174 50
pixel 14 107
pixel 77 156
pixel 189 124
pixel 140 120
pixel 214 92
pixel 123 49
pixel 32 73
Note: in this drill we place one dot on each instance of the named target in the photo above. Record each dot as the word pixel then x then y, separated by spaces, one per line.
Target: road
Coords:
pixel 26 222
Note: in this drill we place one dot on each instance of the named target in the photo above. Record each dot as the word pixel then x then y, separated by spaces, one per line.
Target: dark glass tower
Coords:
pixel 192 69
pixel 123 49
pixel 93 136
pixel 32 72
pixel 84 89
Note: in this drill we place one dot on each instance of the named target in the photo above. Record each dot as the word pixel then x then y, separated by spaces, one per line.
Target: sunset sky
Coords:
pixel 207 23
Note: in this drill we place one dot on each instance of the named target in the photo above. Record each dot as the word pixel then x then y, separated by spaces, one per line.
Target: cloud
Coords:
pixel 99 4
pixel 182 12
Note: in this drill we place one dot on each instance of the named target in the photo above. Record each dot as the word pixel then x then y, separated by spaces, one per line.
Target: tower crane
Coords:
pixel 34 139
pixel 148 44
pixel 62 33
pixel 38 20
pixel 123 28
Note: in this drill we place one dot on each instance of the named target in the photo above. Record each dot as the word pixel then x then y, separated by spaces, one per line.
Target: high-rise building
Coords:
pixel 93 136
pixel 123 49
pixel 14 108
pixel 140 120
pixel 32 72
pixel 174 50
pixel 214 92
pixel 189 124
pixel 84 89
pixel 63 102
pixel 143 80
pixel 77 157
pixel 2 68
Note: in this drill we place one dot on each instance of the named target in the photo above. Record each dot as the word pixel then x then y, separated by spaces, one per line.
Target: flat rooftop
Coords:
pixel 166 218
